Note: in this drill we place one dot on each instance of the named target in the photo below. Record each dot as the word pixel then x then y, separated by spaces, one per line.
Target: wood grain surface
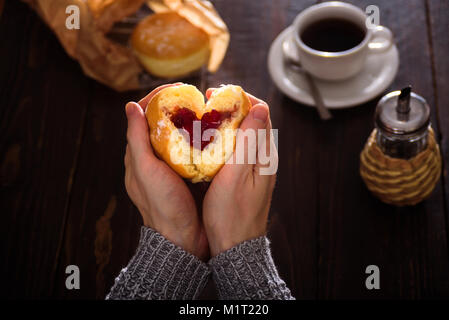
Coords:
pixel 62 142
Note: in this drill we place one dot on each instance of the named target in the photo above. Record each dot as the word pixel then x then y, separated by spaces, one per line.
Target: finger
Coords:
pixel 138 134
pixel 254 100
pixel 267 155
pixel 245 155
pixel 144 101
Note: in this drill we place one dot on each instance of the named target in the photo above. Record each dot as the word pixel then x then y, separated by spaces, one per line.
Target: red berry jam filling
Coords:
pixel 183 119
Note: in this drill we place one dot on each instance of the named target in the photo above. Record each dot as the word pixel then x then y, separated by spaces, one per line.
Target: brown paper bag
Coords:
pixel 110 62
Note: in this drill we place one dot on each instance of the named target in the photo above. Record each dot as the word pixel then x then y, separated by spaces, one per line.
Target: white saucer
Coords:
pixel 377 74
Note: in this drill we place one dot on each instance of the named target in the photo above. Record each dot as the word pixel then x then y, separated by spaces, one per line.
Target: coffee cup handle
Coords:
pixel 290 50
pixel 381 40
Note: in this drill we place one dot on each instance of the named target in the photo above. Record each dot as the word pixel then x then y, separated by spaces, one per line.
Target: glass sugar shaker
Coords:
pixel 402 122
pixel 401 161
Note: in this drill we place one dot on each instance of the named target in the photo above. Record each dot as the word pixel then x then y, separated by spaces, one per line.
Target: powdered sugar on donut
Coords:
pixel 160 125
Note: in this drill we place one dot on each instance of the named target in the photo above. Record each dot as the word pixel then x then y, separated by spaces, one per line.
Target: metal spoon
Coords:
pixel 291 56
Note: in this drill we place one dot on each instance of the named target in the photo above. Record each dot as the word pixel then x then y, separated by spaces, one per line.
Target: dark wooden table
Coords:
pixel 62 141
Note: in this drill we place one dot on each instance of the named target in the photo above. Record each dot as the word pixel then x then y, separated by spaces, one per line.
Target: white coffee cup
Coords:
pixel 337 65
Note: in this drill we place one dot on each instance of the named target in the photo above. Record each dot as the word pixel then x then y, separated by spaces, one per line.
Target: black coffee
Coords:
pixel 332 35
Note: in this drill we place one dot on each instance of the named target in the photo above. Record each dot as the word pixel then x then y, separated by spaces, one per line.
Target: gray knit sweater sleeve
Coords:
pixel 160 270
pixel 247 271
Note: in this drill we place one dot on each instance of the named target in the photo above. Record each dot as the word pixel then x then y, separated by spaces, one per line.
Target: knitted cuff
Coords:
pixel 160 270
pixel 247 271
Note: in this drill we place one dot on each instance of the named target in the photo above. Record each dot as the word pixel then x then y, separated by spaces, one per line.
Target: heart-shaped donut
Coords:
pixel 193 137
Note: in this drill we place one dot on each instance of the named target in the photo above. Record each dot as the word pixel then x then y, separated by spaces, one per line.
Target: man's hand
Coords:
pixel 162 197
pixel 236 205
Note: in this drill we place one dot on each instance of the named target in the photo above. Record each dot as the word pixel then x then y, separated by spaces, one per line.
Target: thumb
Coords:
pixel 138 134
pixel 245 154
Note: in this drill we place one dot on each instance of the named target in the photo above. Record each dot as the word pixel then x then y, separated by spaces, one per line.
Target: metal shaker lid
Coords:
pixel 402 112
